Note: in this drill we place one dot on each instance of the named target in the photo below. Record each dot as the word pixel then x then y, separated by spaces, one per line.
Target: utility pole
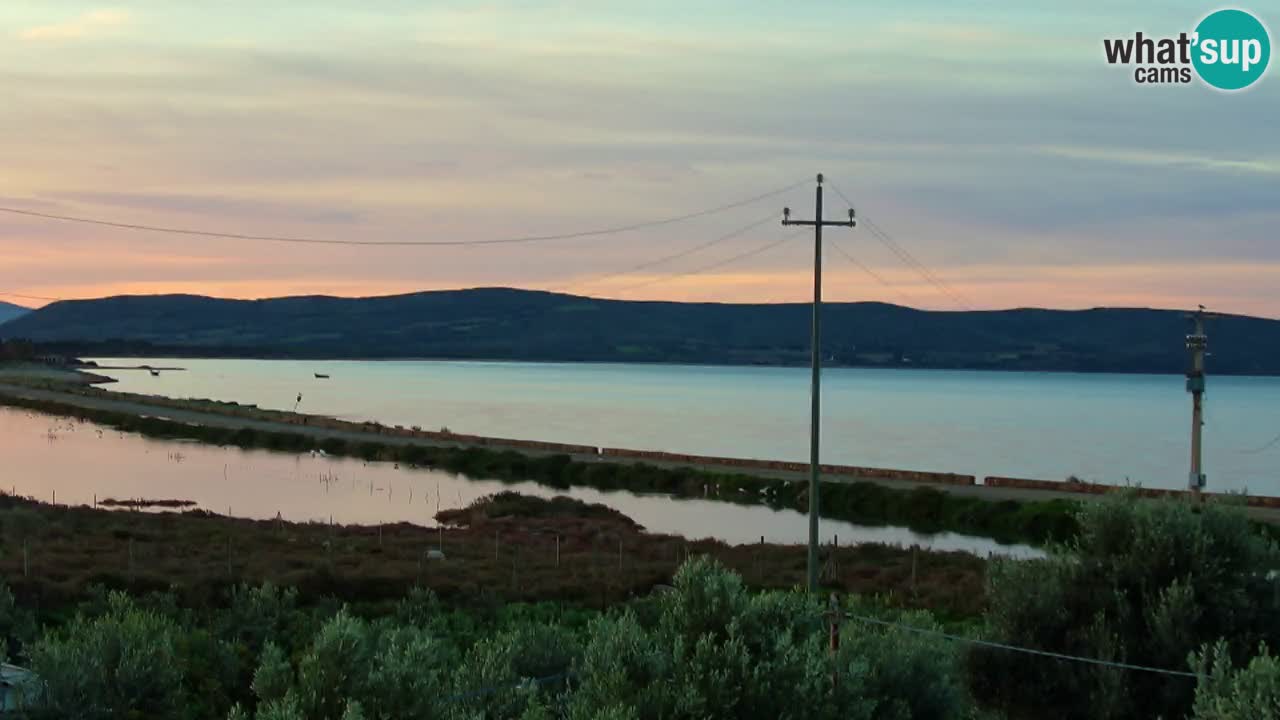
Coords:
pixel 1197 342
pixel 815 394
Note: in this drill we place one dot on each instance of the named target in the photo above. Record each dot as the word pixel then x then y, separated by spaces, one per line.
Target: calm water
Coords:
pixel 45 456
pixel 1099 427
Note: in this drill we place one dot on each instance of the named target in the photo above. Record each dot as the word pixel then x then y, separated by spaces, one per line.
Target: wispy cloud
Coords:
pixel 1137 156
pixel 992 140
pixel 83 25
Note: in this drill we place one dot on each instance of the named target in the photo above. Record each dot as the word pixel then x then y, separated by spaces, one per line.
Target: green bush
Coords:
pixel 17 625
pixel 1225 693
pixel 123 664
pixel 1144 582
pixel 257 614
pixel 716 651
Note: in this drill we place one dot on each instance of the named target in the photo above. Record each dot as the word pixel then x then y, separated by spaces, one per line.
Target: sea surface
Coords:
pixel 56 459
pixel 1110 428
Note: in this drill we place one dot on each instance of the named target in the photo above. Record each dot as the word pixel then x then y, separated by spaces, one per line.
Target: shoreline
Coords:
pixel 1008 511
pixel 72 375
pixel 1016 516
pixel 658 363
pixel 991 488
pixel 1006 514
pixel 86 368
pixel 509 546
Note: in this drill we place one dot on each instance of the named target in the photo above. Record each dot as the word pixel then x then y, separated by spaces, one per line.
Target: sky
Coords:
pixel 989 139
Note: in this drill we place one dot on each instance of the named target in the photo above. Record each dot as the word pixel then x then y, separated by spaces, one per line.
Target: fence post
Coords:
pixel 595 557
pixel 913 570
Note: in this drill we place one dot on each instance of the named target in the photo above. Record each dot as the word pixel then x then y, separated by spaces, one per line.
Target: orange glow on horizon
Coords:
pixel 982 288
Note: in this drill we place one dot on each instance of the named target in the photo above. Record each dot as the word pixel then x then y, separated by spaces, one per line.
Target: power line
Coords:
pixel 712 266
pixel 866 269
pixel 486 691
pixel 911 261
pixel 30 297
pixel 1272 443
pixel 1015 648
pixel 403 243
pixel 674 256
pixel 905 256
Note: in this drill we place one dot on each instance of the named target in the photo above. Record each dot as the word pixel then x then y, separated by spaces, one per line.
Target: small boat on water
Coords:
pixel 322 376
pixel 154 372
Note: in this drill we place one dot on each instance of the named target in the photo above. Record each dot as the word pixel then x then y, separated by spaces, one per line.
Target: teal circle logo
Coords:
pixel 1232 49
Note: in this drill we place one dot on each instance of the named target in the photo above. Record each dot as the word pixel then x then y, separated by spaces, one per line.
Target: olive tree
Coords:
pixel 1226 693
pixel 120 664
pixel 1145 582
pixel 718 651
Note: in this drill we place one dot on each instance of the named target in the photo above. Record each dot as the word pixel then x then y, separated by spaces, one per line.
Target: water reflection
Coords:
pixel 1114 429
pixel 48 457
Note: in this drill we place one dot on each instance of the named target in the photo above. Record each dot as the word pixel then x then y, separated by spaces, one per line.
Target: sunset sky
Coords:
pixel 989 139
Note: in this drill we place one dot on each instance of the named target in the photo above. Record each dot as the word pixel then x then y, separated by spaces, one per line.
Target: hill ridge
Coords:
pixel 9 311
pixel 499 323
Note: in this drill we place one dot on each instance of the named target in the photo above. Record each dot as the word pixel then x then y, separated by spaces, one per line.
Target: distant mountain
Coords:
pixel 500 323
pixel 9 311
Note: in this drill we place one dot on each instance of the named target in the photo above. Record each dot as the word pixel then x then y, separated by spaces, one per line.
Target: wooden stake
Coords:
pixel 913 569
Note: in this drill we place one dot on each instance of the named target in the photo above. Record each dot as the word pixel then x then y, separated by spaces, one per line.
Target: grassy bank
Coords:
pixel 1121 623
pixel 923 509
pixel 501 549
